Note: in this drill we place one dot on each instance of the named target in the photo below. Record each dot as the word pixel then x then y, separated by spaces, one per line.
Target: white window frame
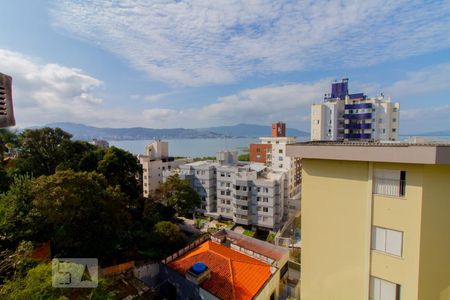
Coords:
pixel 387 240
pixel 381 289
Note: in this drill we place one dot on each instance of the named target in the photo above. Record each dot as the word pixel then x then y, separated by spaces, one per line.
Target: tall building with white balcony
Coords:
pixel 154 162
pixel 345 116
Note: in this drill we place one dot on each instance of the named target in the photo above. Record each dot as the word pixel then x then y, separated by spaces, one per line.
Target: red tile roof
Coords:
pixel 233 275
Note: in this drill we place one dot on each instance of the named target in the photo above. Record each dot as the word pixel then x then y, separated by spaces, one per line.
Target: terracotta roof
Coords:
pixel 233 275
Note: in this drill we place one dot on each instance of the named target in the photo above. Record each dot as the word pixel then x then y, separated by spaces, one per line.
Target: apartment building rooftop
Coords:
pixel 396 152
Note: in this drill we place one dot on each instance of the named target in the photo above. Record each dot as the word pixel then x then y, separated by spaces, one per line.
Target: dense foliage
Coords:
pixel 85 201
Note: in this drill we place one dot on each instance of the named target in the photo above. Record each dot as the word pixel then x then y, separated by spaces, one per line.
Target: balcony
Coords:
pixel 358 116
pixel 241 220
pixel 389 187
pixel 358 136
pixel 242 202
pixel 358 106
pixel 358 126
pixel 241 212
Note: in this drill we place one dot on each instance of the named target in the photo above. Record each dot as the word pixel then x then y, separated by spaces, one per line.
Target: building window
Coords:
pixel 222 174
pixel 258 199
pixel 265 209
pixel 280 165
pixel 228 175
pixel 380 121
pixel 394 130
pixel 222 192
pixel 387 240
pixel 228 193
pixel 228 184
pixel 280 151
pixel 394 120
pixel 258 149
pixel 280 158
pixel 389 183
pixel 258 156
pixel 265 199
pixel 383 290
pixel 394 109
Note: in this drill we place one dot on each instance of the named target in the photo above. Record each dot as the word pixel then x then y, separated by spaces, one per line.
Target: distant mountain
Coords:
pixel 84 132
pixel 251 130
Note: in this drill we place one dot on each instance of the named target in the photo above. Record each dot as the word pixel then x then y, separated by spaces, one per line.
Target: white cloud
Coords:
pixel 263 105
pixel 43 93
pixel 200 42
pixel 160 115
pixel 153 98
pixel 428 80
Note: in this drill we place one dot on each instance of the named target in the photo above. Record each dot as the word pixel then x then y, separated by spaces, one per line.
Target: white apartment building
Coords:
pixel 248 194
pixel 202 178
pixel 252 194
pixel 278 161
pixel 345 116
pixel 154 162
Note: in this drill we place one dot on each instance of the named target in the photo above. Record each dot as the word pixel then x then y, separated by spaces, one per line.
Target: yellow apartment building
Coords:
pixel 375 221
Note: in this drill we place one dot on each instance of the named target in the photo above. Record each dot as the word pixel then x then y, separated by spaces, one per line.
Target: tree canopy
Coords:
pixel 37 284
pixel 177 193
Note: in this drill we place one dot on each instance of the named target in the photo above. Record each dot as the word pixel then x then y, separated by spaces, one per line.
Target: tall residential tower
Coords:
pixel 345 116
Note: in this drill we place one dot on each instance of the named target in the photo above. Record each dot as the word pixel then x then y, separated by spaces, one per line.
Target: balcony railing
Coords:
pixel 358 116
pixel 358 126
pixel 389 187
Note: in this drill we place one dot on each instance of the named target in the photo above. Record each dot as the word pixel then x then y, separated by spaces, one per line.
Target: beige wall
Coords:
pixel 434 278
pixel 335 235
pixel 401 214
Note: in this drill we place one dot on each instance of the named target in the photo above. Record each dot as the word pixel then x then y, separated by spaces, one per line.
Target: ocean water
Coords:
pixel 209 147
pixel 189 147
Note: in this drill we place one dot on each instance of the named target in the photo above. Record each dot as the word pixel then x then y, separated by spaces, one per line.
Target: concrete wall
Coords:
pixel 335 235
pixel 434 278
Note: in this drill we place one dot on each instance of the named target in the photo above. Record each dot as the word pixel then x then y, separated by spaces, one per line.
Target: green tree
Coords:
pixel 41 150
pixel 37 284
pixel 121 168
pixel 168 234
pixel 178 194
pixel 244 157
pixel 74 154
pixel 5 179
pixel 79 213
pixel 16 223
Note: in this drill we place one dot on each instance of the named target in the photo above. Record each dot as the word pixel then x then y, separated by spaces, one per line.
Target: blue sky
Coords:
pixel 203 63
